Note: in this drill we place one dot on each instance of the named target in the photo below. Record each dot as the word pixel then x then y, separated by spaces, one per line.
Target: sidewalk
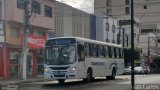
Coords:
pixel 18 81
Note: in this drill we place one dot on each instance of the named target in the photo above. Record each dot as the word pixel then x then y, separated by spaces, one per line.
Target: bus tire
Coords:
pixel 61 81
pixel 89 77
pixel 112 77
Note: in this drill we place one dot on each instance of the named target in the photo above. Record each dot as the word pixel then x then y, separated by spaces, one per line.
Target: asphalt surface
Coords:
pixel 97 84
pixel 123 82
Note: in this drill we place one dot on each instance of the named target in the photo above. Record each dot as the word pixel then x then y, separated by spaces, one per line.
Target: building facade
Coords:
pixel 125 24
pixel 118 10
pixel 107 29
pixel 71 22
pixel 41 21
pixel 145 10
pixel 148 42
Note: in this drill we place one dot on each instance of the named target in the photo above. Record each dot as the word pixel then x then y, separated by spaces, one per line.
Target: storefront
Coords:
pixel 36 43
pixel 14 64
pixel 13 59
pixel 0 62
pixel 40 62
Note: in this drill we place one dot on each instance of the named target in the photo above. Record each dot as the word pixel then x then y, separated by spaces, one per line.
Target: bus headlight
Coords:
pixel 71 70
pixel 46 70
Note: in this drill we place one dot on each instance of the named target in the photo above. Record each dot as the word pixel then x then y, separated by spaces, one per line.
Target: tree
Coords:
pixel 157 61
pixel 127 55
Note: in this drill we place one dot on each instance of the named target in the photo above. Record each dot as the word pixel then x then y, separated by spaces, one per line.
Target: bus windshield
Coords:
pixel 60 55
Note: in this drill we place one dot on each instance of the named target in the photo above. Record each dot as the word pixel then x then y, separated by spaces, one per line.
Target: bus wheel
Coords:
pixel 61 81
pixel 112 77
pixel 89 76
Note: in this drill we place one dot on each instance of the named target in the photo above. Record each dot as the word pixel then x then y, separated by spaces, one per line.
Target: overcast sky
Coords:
pixel 85 5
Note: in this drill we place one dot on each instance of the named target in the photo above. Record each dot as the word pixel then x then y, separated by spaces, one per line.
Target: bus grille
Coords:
pixel 59 68
pixel 60 75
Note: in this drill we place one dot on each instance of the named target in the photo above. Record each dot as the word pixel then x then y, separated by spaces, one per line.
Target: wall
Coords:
pixel 101 32
pixel 143 42
pixel 16 15
pixel 71 22
pixel 93 27
pixel 146 16
pixel 99 28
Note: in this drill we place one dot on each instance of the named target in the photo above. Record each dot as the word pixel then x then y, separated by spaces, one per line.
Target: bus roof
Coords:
pixel 90 40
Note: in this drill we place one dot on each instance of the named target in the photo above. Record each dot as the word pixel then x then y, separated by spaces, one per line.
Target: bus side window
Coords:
pixel 101 51
pixel 92 50
pixel 87 50
pixel 120 53
pixel 98 50
pixel 106 52
pixel 95 51
pixel 81 53
pixel 110 52
pixel 115 52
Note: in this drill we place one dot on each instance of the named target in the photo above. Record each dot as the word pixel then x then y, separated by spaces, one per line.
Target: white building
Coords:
pixel 126 25
pixel 117 10
pixel 147 11
pixel 107 29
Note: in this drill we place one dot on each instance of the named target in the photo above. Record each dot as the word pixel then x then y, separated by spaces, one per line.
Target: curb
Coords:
pixel 30 81
pixel 22 81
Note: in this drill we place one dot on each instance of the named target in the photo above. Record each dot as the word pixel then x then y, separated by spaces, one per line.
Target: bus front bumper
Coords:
pixel 54 76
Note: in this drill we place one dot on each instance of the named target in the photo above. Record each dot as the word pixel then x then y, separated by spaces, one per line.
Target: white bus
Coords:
pixel 80 58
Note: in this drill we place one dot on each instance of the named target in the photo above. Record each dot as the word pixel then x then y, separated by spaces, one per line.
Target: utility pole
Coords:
pixel 132 45
pixel 24 44
pixel 149 49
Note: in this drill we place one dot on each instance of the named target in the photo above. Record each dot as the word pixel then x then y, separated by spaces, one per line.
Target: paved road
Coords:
pixel 121 83
pixel 98 84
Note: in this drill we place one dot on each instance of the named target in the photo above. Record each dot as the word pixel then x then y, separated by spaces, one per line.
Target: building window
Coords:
pixel 48 11
pixel 15 32
pixel 36 7
pixel 109 11
pixel 108 3
pixel 127 2
pixel 107 26
pixel 41 33
pixel 20 4
pixel 127 10
pixel 113 28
